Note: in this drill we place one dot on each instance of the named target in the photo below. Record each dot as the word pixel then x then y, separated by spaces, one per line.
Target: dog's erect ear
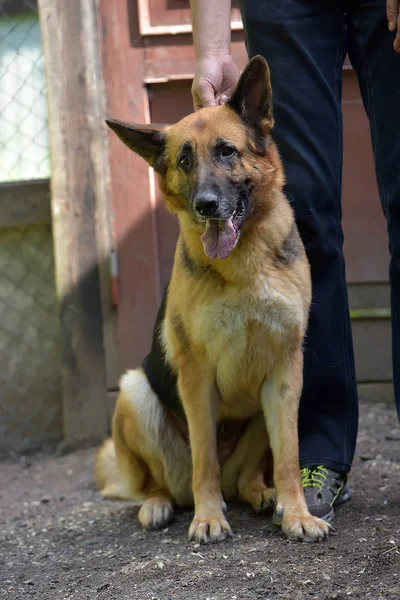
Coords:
pixel 252 98
pixel 146 140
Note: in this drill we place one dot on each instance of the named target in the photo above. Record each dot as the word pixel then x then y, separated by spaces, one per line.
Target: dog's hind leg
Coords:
pixel 152 462
pixel 253 489
pixel 140 483
pixel 244 472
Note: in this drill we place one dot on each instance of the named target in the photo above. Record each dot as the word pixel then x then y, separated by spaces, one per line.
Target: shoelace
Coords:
pixel 315 477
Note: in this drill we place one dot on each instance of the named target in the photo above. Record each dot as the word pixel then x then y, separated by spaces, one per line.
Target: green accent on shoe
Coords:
pixel 324 488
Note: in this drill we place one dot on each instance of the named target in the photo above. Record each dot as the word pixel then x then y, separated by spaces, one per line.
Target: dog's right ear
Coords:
pixel 252 97
pixel 146 140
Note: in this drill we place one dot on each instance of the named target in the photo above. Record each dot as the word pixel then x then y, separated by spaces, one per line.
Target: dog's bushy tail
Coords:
pixel 107 476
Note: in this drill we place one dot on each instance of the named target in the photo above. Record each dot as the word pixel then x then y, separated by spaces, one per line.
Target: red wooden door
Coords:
pixel 148 66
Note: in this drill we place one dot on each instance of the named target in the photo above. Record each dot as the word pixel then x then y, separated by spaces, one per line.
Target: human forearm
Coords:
pixel 211 21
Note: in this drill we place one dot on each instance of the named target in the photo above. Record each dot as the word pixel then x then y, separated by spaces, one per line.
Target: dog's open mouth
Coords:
pixel 222 235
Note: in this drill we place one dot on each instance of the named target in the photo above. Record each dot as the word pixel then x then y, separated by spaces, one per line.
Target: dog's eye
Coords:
pixel 228 151
pixel 184 161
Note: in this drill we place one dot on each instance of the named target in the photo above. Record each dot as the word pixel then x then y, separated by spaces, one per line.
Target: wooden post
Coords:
pixel 79 201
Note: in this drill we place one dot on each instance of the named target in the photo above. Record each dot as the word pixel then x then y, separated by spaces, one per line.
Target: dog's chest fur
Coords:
pixel 244 334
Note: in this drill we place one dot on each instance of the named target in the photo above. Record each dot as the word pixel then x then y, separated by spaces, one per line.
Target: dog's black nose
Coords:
pixel 206 204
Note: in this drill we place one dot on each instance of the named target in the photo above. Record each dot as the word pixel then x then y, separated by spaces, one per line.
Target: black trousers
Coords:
pixel 305 42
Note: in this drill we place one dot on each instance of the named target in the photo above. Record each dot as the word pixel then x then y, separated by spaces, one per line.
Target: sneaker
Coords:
pixel 323 489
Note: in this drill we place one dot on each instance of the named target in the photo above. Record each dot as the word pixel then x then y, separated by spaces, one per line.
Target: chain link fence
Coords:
pixel 24 147
pixel 30 405
pixel 30 408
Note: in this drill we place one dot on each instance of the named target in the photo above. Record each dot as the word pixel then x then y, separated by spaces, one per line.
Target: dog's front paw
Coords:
pixel 303 527
pixel 209 527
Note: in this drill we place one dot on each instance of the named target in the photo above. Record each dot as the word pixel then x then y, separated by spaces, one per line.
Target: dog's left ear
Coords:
pixel 252 98
pixel 146 140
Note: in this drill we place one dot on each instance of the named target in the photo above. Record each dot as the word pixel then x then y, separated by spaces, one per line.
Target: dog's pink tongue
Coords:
pixel 219 238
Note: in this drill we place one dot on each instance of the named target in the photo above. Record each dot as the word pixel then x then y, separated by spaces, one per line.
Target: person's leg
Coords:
pixel 304 42
pixel 378 69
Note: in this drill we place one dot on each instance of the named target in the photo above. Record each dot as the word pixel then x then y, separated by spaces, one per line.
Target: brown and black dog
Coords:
pixel 221 387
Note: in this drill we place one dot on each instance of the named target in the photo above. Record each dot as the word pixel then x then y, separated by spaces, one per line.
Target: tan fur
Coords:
pixel 233 333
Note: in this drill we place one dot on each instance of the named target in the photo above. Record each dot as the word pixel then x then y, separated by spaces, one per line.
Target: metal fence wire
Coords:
pixel 30 405
pixel 24 147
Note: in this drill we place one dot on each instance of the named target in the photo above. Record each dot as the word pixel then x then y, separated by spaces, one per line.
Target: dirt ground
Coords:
pixel 60 541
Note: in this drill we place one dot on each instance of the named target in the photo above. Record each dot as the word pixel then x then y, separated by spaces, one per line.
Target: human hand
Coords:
pixel 214 81
pixel 393 17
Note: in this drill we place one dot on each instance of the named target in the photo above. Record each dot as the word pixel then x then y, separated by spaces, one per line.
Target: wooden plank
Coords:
pixel 171 17
pixel 373 349
pixel 173 57
pixel 132 184
pixel 70 44
pixel 103 216
pixel 25 203
pixel 369 313
pixel 162 18
pixel 369 295
pixel 381 391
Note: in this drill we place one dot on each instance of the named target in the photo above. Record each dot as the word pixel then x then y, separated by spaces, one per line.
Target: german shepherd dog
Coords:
pixel 212 413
